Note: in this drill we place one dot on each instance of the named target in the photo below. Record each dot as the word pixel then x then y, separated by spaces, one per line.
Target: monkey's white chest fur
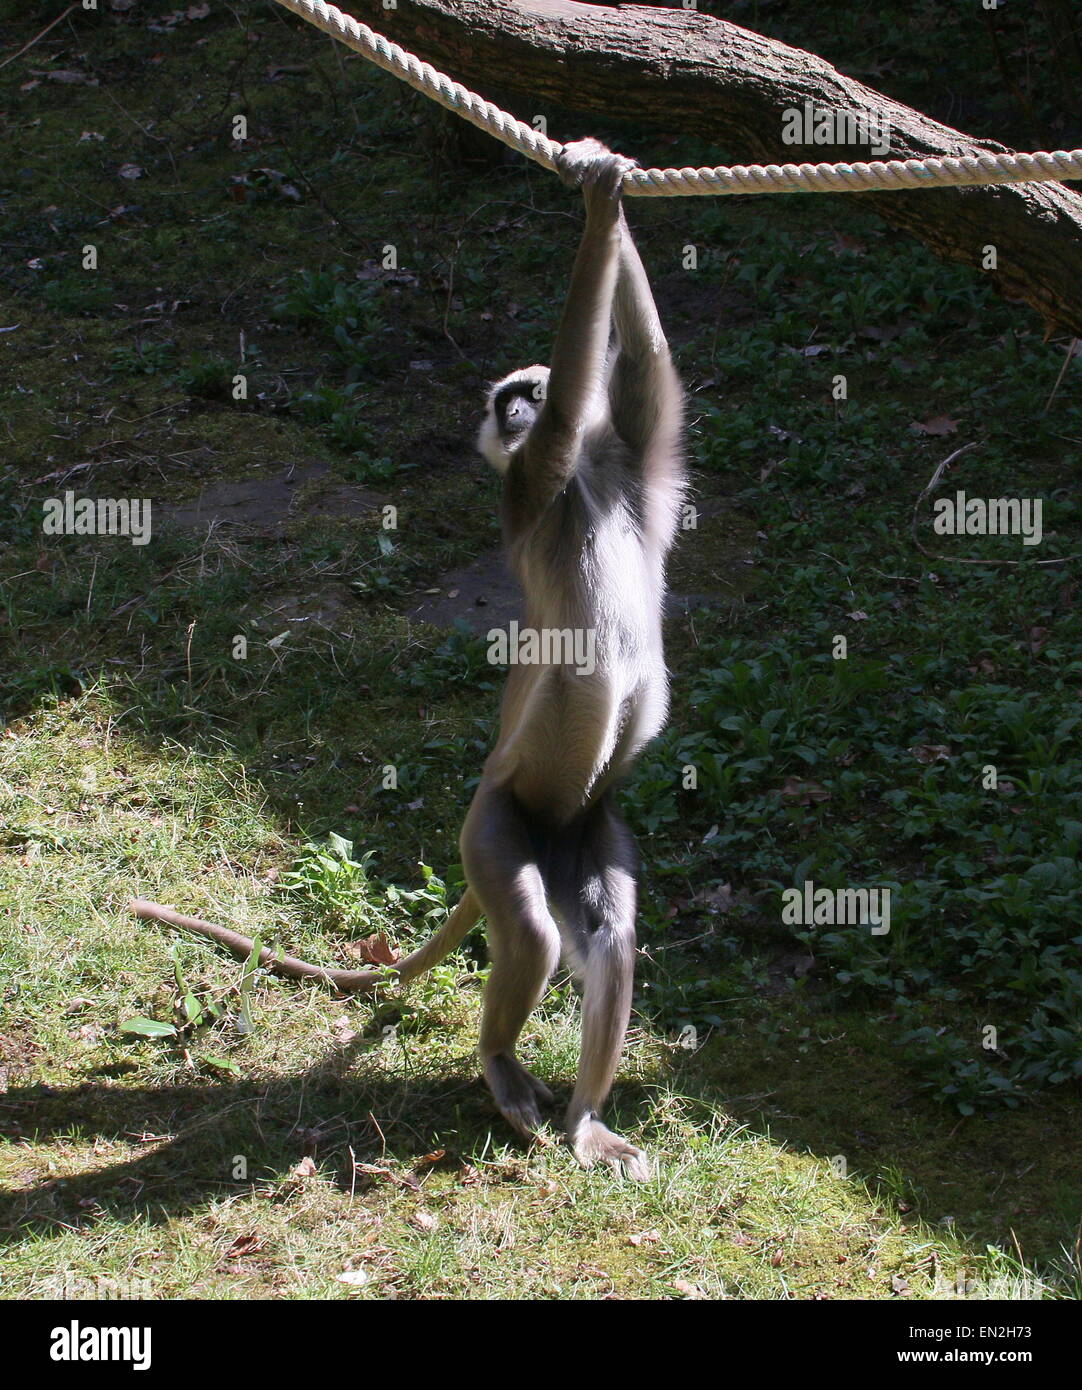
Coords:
pixel 568 730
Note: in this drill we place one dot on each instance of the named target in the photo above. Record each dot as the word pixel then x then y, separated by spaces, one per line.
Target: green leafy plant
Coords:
pixel 144 359
pixel 193 1013
pixel 336 884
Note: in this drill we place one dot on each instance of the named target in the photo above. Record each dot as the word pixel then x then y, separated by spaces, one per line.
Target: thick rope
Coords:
pixel 947 171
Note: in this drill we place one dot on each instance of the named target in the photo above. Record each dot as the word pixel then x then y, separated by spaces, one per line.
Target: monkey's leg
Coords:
pixel 606 935
pixel 524 944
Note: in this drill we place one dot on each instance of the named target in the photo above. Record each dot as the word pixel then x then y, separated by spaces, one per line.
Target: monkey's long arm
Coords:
pixel 465 916
pixel 550 454
pixel 638 327
pixel 582 339
pixel 645 392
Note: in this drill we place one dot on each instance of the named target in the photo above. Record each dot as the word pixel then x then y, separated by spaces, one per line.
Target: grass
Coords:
pixel 185 1166
pixel 828 1119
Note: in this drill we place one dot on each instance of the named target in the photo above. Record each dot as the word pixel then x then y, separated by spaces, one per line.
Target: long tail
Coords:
pixel 465 916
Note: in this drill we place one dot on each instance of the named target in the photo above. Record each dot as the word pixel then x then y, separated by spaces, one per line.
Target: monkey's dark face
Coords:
pixel 516 409
pixel 512 406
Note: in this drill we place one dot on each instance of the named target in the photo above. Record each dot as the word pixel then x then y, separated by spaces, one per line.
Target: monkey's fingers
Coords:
pixel 612 174
pixel 589 164
pixel 577 157
pixel 603 180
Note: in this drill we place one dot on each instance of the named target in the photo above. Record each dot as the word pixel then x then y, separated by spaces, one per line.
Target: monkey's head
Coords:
pixel 511 407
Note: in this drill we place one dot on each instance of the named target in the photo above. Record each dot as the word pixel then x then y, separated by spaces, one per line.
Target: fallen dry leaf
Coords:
pixel 881 335
pixel 850 245
pixel 244 1245
pixel 719 898
pixel 930 752
pixel 68 76
pixel 374 950
pixel 796 963
pixel 938 424
pixel 373 1172
pixel 342 1032
pixel 803 793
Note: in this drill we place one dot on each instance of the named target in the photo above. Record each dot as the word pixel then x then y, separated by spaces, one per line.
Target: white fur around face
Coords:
pixel 490 444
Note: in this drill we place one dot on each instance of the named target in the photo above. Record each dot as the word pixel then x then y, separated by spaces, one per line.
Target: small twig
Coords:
pixel 841 566
pixel 339 220
pixel 337 48
pixel 1062 370
pixel 382 1136
pixel 1020 97
pixel 90 590
pixel 188 650
pixel 931 486
pixel 34 40
pixel 450 291
pixel 962 559
pixel 62 474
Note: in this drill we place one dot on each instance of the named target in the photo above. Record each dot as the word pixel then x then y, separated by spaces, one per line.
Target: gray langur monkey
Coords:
pixel 590 450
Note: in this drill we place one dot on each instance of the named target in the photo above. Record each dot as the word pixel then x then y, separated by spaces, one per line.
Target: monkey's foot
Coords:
pixel 591 1142
pixel 517 1093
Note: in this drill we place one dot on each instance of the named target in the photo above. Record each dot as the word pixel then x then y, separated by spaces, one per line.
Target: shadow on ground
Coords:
pixel 983 1176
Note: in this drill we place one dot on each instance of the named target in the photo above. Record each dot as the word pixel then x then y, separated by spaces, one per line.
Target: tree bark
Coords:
pixel 688 72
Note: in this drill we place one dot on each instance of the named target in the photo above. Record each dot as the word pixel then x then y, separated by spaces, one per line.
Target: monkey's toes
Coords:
pixel 635 1164
pixel 517 1093
pixel 593 1143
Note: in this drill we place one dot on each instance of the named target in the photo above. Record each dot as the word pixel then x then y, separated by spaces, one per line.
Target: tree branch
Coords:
pixel 680 70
